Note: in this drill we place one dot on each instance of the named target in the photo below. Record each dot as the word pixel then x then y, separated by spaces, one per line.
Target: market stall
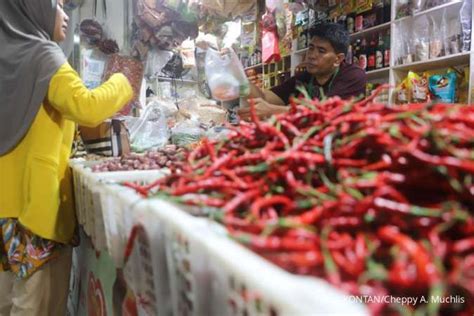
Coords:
pixel 359 207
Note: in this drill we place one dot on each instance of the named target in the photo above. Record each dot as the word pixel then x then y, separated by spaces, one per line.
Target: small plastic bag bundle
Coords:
pixel 225 75
pixel 150 130
pixel 186 132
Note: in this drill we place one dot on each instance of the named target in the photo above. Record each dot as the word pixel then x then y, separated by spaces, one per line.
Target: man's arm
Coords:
pixel 267 95
pixel 263 109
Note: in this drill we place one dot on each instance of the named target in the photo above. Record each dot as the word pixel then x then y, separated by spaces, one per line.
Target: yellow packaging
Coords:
pixel 402 92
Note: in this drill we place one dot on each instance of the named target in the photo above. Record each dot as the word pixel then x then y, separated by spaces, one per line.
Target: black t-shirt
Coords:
pixel 349 81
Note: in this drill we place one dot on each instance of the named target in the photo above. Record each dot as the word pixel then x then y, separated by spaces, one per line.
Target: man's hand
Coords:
pixel 263 108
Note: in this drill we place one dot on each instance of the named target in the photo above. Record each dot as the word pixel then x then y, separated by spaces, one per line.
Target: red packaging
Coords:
pixel 133 70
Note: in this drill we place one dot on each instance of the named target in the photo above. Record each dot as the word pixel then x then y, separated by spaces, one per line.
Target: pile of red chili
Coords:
pixel 377 200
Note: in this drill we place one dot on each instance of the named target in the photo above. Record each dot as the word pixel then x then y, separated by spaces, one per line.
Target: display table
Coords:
pixel 149 256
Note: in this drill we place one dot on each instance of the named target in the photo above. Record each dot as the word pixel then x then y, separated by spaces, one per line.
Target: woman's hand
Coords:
pixel 263 109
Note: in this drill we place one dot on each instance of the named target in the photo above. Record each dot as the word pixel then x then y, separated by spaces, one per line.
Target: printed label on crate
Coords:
pixel 102 287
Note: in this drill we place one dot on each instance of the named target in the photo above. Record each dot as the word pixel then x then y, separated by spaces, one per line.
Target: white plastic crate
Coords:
pixel 117 206
pixel 86 204
pixel 211 274
pixel 186 259
pixel 138 271
pixel 146 268
pixel 89 197
pixel 157 245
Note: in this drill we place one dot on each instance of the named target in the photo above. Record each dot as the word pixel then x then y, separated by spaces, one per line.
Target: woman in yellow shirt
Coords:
pixel 42 98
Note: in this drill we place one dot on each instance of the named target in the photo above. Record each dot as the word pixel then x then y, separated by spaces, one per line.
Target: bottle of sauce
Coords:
pixel 363 54
pixel 379 52
pixel 386 52
pixel 371 54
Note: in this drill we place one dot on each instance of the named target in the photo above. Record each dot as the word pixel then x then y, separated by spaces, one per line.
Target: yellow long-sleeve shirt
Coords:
pixel 35 184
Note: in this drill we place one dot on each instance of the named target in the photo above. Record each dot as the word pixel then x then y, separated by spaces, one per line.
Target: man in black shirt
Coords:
pixel 326 74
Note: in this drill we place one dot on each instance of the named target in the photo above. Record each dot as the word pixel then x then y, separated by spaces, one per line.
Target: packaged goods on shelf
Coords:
pixel 381 97
pixel 419 87
pixel 404 8
pixel 429 37
pixel 371 52
pixel 442 85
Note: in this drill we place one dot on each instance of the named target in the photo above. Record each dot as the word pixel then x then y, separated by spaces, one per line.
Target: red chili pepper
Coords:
pixel 290 127
pixel 204 201
pixel 343 221
pixel 209 148
pixel 426 270
pixel 263 202
pixel 332 272
pixel 463 245
pixel 141 190
pixel 404 208
pixel 297 260
pixel 465 165
pixel 307 217
pixel 402 273
pixel 338 240
pixel 205 184
pixel 232 205
pixel 344 264
pixel 274 243
pixel 218 163
pixel 295 155
pixel 232 176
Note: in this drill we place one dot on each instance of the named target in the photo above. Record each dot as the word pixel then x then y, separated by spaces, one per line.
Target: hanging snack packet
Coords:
pixel 270 47
pixel 443 87
pixel 132 69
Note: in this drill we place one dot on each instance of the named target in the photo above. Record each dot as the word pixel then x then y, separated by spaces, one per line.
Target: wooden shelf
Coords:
pixel 301 51
pixel 176 79
pixel 441 62
pixel 450 5
pixel 254 66
pixel 378 73
pixel 370 30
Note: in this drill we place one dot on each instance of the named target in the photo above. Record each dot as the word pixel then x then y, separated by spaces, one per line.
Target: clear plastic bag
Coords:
pixel 186 132
pixel 150 130
pixel 225 75
pixel 417 6
pixel 93 63
pixel 465 17
pixel 436 39
pixel 422 39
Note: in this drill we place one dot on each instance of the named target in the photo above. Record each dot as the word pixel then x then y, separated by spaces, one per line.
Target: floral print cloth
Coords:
pixel 21 251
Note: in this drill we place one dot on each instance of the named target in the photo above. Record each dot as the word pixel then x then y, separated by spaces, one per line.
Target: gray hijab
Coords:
pixel 28 60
